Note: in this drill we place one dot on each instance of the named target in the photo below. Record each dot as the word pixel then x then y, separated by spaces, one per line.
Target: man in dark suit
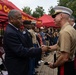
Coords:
pixel 16 46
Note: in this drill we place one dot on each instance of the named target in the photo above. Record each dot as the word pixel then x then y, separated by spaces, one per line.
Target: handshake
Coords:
pixel 45 48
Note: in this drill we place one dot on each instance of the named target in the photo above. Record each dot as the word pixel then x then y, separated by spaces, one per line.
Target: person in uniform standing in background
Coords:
pixel 72 21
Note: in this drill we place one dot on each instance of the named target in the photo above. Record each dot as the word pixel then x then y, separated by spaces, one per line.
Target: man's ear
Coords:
pixel 61 15
pixel 11 19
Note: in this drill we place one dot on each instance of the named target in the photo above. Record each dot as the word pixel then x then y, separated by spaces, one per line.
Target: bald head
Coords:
pixel 72 20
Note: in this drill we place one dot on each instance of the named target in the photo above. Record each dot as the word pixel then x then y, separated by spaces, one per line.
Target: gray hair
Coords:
pixel 12 13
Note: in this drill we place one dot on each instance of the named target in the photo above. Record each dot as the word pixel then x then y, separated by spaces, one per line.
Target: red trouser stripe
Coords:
pixel 62 70
pixel 75 63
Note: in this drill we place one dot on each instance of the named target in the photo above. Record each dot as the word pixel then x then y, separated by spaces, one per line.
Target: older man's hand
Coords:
pixel 44 48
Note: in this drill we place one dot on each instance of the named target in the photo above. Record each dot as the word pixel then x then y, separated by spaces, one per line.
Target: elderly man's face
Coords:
pixel 17 19
pixel 58 19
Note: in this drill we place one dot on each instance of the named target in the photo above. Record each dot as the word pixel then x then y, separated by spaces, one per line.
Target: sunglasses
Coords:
pixel 55 14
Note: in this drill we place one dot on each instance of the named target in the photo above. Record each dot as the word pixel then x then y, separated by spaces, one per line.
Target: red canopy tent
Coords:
pixel 47 21
pixel 6 6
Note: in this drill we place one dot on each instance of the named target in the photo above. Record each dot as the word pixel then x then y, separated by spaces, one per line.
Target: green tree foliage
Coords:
pixel 69 3
pixel 50 11
pixel 27 10
pixel 63 2
pixel 39 11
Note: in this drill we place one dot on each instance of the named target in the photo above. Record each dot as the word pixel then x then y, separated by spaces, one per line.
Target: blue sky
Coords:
pixel 34 3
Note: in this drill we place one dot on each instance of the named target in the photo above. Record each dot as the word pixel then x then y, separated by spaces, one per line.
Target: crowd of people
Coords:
pixel 24 47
